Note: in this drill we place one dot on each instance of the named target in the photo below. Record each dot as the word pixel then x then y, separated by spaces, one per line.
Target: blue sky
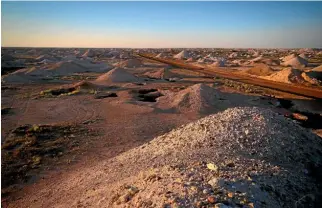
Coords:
pixel 162 24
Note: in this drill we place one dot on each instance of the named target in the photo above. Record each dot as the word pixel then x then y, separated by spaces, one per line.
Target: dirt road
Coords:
pixel 229 74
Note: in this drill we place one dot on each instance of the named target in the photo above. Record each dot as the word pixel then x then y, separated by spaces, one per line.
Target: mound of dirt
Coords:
pixel 65 68
pixel 296 62
pixel 313 76
pixel 317 69
pixel 190 59
pixel 85 85
pixel 89 53
pixel 7 57
pixel 242 157
pixel 62 68
pixel 117 75
pixel 77 66
pixel 131 63
pixel 182 55
pixel 161 55
pixel 289 57
pixel 22 76
pixel 156 74
pixel 198 98
pixel 287 75
pixel 260 70
pixel 94 66
pixel 271 62
pixel 304 56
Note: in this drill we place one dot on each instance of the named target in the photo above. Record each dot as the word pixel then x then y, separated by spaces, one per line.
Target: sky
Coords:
pixel 162 24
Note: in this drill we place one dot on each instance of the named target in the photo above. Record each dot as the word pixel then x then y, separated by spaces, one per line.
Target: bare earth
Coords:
pixel 122 160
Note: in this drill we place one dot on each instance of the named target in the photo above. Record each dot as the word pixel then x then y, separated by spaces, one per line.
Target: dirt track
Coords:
pixel 228 74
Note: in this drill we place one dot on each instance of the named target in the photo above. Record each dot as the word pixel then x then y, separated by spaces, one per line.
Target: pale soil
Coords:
pixel 123 123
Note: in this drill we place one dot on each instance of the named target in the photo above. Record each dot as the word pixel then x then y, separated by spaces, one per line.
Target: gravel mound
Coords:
pixel 182 55
pixel 260 70
pixel 304 56
pixel 76 66
pixel 117 75
pixel 318 69
pixel 62 68
pixel 156 74
pixel 131 63
pixel 314 75
pixel 287 75
pixel 161 55
pixel 289 57
pixel 89 53
pixel 296 62
pixel 198 98
pixel 248 157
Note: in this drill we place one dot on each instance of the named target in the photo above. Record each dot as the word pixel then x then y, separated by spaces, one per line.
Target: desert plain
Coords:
pixel 161 127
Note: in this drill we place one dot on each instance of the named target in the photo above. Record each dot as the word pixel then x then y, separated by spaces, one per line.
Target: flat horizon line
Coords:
pixel 164 47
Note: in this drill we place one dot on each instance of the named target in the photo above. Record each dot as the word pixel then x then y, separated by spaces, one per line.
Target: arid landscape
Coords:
pixel 161 104
pixel 121 128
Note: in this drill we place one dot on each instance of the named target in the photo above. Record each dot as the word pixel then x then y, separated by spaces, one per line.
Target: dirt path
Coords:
pixel 297 90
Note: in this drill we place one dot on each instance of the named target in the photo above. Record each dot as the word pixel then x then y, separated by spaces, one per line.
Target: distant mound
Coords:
pixel 198 98
pixel 296 62
pixel 304 56
pixel 18 76
pixel 77 66
pixel 287 75
pixel 89 53
pixel 117 75
pixel 182 55
pixel 43 57
pixel 63 68
pixel 260 70
pixel 161 55
pixel 190 59
pixel 125 55
pixel 7 57
pixel 155 74
pixel 289 57
pixel 131 63
pixel 313 76
pixel 317 69
pixel 271 62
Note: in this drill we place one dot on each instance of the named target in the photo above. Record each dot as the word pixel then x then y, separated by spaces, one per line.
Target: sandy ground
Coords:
pixel 122 123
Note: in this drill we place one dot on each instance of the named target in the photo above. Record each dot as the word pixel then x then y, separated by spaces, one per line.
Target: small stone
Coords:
pixel 246 131
pixel 215 182
pixel 194 188
pixel 206 191
pixel 125 198
pixel 221 205
pixel 230 194
pixel 211 199
pixel 199 204
pixel 133 190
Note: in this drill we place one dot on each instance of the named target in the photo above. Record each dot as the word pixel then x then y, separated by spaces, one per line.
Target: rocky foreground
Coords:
pixel 241 157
